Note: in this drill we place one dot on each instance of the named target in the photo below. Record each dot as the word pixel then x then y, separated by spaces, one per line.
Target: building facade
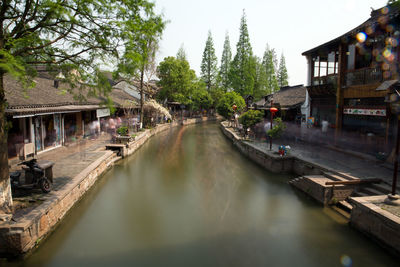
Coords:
pixel 350 77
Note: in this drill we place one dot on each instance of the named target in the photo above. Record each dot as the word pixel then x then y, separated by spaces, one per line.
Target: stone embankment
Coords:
pixel 20 236
pixel 360 200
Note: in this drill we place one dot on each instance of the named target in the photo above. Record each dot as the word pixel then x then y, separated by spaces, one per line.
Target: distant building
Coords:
pixel 291 102
pixel 48 116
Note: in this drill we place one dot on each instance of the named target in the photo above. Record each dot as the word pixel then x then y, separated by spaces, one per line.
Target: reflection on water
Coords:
pixel 188 198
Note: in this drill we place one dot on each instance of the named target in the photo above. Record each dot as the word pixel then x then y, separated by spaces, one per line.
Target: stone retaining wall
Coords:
pixel 376 222
pixel 21 237
pixel 270 160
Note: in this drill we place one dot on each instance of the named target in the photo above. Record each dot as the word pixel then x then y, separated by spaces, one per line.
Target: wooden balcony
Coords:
pixel 363 76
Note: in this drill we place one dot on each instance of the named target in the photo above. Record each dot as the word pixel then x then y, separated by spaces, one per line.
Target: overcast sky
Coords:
pixel 289 26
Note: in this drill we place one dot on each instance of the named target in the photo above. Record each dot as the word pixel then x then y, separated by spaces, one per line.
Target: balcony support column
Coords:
pixel 339 90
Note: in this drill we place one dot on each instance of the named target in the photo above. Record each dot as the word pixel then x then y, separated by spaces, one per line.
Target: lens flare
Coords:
pixel 385 10
pixel 346 261
pixel 386 53
pixel 369 30
pixel 392 41
pixel 385 66
pixel 389 28
pixel 361 37
pixel 387 74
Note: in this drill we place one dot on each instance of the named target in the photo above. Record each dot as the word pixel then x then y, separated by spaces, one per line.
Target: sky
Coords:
pixel 289 26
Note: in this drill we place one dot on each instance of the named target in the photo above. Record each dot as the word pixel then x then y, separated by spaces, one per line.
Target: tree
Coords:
pixel 250 118
pixel 242 69
pixel 269 63
pixel 225 63
pixel 201 98
pixel 181 54
pixel 72 37
pixel 177 80
pixel 277 129
pixel 209 63
pixel 225 105
pixel 283 76
pixel 260 88
pixel 140 52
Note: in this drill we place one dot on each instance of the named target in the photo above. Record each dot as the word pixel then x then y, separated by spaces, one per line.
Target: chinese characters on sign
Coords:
pixel 367 112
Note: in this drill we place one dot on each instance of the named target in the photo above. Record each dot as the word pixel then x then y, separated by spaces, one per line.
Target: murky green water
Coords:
pixel 188 198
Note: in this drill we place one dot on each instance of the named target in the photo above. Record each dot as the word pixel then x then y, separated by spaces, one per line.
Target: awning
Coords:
pixel 386 85
pixel 49 110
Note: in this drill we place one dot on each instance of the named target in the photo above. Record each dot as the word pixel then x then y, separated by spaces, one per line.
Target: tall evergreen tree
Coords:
pixel 209 63
pixel 181 54
pixel 225 63
pixel 260 88
pixel 243 70
pixel 283 77
pixel 269 67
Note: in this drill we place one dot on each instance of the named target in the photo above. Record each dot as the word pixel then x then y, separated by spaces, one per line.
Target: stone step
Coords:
pixel 342 212
pixel 345 205
pixel 360 194
pixel 346 176
pixel 371 191
pixel 335 177
pixel 383 188
pixel 296 180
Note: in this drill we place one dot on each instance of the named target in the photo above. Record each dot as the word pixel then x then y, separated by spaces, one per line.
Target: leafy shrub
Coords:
pixel 123 130
pixel 250 118
pixel 277 129
pixel 226 102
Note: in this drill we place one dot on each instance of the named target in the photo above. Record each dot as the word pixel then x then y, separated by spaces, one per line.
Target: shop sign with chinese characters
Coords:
pixel 365 112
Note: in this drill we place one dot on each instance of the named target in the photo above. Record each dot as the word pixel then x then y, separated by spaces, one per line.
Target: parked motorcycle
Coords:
pixel 37 175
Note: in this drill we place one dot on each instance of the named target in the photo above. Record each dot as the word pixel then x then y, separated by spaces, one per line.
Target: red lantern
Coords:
pixel 273 110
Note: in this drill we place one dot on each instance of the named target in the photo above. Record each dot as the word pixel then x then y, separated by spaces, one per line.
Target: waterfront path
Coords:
pixel 333 159
pixel 69 163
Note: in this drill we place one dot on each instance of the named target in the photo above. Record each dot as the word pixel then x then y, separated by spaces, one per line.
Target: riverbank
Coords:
pixel 75 171
pixel 363 203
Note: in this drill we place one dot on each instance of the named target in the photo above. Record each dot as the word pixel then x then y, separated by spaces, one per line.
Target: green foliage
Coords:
pixel 277 129
pixel 181 54
pixel 260 80
pixel 73 37
pixel 216 94
pixel 226 102
pixel 283 77
pixel 243 69
pixel 123 130
pixel 177 80
pixel 209 64
pixel 269 63
pixel 201 98
pixel 250 118
pixel 225 64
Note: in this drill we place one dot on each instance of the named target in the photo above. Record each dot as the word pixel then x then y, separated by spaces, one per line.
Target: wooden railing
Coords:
pixel 363 76
pixel 330 79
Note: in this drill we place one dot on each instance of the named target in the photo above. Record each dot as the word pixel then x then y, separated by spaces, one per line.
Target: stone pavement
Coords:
pixel 69 162
pixel 334 159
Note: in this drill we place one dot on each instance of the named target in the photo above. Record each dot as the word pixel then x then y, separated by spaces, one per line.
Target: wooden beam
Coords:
pixel 339 90
pixel 356 182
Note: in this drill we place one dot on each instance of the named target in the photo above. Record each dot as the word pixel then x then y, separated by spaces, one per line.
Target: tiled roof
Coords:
pixel 286 97
pixel 45 95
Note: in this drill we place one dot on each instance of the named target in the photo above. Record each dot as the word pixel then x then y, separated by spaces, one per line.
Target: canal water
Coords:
pixel 188 198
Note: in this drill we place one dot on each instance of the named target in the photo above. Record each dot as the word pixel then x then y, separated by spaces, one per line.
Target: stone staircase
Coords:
pixel 336 195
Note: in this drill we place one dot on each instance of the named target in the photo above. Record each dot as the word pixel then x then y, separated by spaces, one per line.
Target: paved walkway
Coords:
pixel 69 162
pixel 334 159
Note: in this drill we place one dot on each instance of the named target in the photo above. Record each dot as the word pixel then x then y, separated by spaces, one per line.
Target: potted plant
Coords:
pixel 123 136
